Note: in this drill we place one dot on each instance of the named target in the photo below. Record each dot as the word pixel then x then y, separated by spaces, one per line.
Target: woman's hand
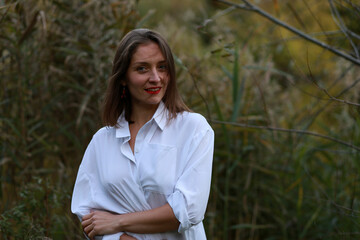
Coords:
pixel 100 223
pixel 127 237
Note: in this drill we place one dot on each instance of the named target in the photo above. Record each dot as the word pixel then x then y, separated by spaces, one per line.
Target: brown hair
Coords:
pixel 113 104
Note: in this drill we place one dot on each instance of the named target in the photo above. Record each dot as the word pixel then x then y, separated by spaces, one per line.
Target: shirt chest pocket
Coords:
pixel 158 168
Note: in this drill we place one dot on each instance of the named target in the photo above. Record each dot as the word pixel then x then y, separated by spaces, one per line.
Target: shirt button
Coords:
pixel 136 150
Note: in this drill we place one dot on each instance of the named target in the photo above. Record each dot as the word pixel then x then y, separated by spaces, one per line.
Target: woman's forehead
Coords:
pixel 147 52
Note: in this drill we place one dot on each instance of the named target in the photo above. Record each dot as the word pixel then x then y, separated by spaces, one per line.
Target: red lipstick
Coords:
pixel 153 90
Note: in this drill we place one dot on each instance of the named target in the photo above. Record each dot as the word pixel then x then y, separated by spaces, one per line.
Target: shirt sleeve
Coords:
pixel 190 197
pixel 82 198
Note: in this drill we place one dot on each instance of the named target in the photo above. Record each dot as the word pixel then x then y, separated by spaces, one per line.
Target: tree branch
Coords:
pixel 334 98
pixel 253 8
pixel 338 20
pixel 326 91
pixel 289 131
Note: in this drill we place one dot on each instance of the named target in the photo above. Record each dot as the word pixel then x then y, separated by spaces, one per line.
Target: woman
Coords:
pixel 147 174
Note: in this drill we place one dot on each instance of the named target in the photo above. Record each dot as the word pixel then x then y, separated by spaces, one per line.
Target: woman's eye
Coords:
pixel 141 69
pixel 163 67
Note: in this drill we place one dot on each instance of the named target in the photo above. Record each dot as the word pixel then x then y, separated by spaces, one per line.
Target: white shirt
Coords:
pixel 171 163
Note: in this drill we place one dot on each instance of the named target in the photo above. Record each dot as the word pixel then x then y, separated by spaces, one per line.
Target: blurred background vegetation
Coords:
pixel 285 111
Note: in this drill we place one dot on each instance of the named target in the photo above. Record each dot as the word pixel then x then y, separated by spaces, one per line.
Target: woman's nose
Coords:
pixel 154 77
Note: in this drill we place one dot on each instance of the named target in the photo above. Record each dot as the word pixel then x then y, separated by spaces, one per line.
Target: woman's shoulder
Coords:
pixel 104 133
pixel 193 116
pixel 193 119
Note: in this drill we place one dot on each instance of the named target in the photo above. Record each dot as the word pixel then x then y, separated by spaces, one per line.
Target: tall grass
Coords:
pixel 55 58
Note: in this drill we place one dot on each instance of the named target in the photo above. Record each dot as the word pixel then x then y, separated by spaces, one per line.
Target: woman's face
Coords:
pixel 147 76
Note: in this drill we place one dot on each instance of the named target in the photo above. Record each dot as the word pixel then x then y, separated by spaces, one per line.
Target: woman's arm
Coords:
pixel 127 237
pixel 161 219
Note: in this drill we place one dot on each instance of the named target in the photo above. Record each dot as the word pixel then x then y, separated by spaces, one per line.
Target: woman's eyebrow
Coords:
pixel 140 63
pixel 143 63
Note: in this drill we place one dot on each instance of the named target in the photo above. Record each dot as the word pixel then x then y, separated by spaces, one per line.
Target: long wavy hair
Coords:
pixel 113 104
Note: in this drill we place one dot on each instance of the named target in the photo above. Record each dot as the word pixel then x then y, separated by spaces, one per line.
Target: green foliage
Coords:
pixel 55 58
pixel 38 214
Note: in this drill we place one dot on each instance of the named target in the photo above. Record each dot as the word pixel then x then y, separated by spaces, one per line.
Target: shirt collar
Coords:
pixel 122 130
pixel 160 117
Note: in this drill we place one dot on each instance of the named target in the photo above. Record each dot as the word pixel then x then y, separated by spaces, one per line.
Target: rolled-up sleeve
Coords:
pixel 191 193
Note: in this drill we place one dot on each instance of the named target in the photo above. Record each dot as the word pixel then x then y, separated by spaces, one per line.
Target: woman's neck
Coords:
pixel 142 114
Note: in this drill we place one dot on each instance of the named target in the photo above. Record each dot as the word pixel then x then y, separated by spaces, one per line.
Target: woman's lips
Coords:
pixel 153 90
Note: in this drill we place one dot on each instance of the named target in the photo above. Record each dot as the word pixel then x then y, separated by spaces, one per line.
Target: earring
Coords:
pixel 123 95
